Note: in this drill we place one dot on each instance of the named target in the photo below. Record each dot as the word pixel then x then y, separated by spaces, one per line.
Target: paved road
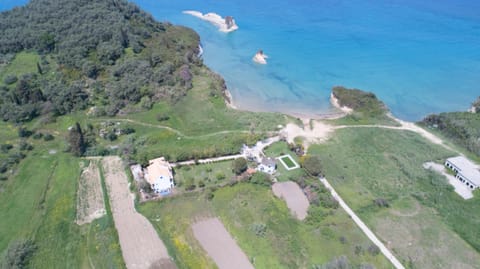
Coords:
pixel 362 226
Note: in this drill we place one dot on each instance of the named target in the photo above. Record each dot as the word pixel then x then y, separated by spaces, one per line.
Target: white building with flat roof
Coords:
pixel 465 171
pixel 159 175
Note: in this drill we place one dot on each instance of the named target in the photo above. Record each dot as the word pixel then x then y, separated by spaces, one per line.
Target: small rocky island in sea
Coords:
pixel 260 57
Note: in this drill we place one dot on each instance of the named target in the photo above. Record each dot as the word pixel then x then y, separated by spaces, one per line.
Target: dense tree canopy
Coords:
pixel 103 53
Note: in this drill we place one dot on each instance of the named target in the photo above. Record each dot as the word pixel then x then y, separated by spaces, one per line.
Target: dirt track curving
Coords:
pixel 218 243
pixel 140 244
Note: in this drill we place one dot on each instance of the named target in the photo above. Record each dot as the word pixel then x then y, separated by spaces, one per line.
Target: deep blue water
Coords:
pixel 419 57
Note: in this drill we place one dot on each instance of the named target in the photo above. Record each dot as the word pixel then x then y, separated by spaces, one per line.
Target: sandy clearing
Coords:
pixel 319 133
pixel 90 203
pixel 296 200
pixel 220 245
pixel 140 244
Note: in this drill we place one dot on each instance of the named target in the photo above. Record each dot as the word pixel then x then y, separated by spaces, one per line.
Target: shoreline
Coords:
pixel 229 102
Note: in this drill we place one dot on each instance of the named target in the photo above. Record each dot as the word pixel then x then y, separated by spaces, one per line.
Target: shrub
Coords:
pixel 25 146
pixel 48 137
pixel 111 136
pixel 190 184
pixel 358 250
pixel 162 117
pixel 18 254
pixel 23 132
pixel 37 136
pixel 260 229
pixel 210 193
pixel 5 147
pixel 373 250
pixel 381 202
pixel 128 130
pixel 201 184
pixel 239 165
pixel 261 179
pixel 220 176
pixel 3 167
pixel 10 79
pixel 313 165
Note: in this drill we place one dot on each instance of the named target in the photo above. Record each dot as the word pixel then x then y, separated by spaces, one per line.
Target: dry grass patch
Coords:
pixel 90 203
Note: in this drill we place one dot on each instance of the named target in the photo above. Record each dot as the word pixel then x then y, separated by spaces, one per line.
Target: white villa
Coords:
pixel 267 165
pixel 465 171
pixel 159 176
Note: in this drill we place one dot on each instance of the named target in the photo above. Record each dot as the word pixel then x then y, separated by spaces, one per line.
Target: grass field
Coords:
pixel 39 203
pixel 208 175
pixel 23 63
pixel 426 222
pixel 283 242
pixel 203 111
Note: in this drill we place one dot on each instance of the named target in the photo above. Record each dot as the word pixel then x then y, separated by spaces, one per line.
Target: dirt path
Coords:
pixel 179 133
pixel 219 244
pixel 140 244
pixel 363 226
pixel 319 131
pixel 296 200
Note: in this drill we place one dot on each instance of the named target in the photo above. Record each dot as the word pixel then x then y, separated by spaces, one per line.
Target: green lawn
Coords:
pixel 286 243
pixel 39 203
pixel 23 63
pixel 209 175
pixel 427 223
pixel 288 161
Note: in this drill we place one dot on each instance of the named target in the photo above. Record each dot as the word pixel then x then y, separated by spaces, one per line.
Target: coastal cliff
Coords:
pixel 360 106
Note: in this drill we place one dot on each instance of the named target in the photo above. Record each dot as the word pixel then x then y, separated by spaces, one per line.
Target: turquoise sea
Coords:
pixel 419 57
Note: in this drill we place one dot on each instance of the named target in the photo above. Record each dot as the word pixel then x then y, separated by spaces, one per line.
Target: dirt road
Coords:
pixel 140 244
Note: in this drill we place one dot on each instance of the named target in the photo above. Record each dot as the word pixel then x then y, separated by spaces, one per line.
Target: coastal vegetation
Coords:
pixel 462 128
pixel 367 108
pixel 379 173
pixel 114 57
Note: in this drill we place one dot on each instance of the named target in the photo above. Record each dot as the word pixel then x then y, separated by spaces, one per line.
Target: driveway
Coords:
pixel 140 244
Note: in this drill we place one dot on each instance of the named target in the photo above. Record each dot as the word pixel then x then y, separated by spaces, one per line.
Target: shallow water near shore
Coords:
pixel 419 58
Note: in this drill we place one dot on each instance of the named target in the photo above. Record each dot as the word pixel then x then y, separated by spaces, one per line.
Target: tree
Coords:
pixel 76 140
pixel 476 105
pixel 239 166
pixel 18 254
pixel 313 165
